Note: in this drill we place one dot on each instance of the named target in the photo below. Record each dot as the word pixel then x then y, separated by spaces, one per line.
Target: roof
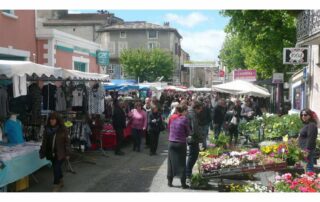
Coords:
pixel 138 25
pixel 84 18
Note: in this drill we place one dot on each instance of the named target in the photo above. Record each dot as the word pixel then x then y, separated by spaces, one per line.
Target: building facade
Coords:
pixel 140 34
pixel 202 74
pixel 17 35
pixel 60 49
pixel 305 84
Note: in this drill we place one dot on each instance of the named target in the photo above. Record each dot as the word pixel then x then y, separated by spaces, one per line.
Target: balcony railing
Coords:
pixel 308 24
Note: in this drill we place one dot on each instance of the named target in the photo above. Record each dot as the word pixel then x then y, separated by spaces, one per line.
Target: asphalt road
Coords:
pixel 132 172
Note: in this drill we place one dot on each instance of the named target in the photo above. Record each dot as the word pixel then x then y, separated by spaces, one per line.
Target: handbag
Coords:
pixel 234 120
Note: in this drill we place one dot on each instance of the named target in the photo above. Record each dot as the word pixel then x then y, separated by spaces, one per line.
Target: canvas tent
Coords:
pixel 8 69
pixel 240 87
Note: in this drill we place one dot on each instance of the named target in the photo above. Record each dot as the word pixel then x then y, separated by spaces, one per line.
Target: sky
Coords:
pixel 202 30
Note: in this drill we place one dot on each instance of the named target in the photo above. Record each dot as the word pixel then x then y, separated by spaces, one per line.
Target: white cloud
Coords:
pixel 74 11
pixel 203 46
pixel 189 21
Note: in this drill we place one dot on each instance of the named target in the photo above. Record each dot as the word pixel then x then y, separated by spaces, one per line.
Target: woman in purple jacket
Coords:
pixel 179 130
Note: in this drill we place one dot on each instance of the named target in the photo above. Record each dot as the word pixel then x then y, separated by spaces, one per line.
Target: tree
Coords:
pixel 259 36
pixel 147 65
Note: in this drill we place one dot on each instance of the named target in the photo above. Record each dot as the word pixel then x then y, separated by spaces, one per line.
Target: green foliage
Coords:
pixel 147 64
pixel 198 182
pixel 256 39
pixel 222 140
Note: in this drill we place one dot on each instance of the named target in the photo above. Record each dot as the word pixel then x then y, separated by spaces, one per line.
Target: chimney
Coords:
pixel 166 24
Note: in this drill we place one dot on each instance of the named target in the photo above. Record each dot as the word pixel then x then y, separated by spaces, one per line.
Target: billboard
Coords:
pixel 245 74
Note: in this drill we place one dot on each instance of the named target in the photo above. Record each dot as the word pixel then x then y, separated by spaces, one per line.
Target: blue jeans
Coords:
pixel 136 133
pixel 309 167
pixel 192 158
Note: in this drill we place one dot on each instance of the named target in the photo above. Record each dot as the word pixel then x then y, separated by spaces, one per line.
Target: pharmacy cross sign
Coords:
pixel 295 56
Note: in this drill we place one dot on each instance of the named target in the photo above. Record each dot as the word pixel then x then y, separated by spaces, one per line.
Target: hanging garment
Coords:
pixel 35 102
pixel 68 94
pixel 77 97
pixel 4 105
pixel 96 100
pixel 61 104
pixel 19 85
pixel 48 97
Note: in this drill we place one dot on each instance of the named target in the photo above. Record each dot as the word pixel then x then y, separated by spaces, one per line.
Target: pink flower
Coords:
pixel 303 189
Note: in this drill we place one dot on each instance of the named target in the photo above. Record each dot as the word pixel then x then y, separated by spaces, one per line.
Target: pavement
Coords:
pixel 132 172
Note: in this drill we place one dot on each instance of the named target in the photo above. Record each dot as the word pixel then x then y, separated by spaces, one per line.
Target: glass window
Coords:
pixel 80 66
pixel 123 35
pixel 297 98
pixel 11 12
pixel 152 34
pixel 152 45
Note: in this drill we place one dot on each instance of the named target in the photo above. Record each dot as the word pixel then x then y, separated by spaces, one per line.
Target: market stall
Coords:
pixel 32 91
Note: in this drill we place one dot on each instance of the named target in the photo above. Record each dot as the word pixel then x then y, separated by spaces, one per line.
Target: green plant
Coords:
pixel 222 140
pixel 198 182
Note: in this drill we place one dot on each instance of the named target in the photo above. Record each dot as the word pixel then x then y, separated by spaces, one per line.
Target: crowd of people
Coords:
pixel 187 117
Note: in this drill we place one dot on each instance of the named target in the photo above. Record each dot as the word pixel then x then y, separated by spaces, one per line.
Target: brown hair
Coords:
pixel 312 114
pixel 181 108
pixel 55 115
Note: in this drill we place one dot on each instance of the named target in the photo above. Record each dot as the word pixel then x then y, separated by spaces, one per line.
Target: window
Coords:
pixel 80 66
pixel 153 44
pixel 152 34
pixel 123 35
pixel 9 13
pixel 297 98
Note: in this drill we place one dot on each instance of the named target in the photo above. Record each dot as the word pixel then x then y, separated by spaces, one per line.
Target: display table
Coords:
pixel 19 162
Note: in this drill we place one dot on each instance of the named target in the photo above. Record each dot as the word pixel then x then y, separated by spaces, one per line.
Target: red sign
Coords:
pixel 247 75
pixel 221 73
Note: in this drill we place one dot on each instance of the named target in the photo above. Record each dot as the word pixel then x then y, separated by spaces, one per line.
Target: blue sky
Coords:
pixel 202 30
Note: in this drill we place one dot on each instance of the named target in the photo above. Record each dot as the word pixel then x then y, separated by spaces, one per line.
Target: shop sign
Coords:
pixel 246 75
pixel 277 78
pixel 295 56
pixel 102 57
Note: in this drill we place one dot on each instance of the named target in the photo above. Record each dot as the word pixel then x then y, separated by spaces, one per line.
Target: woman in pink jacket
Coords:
pixel 138 124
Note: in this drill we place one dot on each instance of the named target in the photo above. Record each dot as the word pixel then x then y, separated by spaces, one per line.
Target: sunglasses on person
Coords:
pixel 304 114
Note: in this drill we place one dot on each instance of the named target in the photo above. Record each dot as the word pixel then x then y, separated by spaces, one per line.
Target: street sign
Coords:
pixel 295 56
pixel 102 57
pixel 277 78
pixel 245 74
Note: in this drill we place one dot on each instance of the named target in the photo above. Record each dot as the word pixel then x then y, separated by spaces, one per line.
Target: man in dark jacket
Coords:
pixel 204 120
pixel 218 117
pixel 196 137
pixel 119 123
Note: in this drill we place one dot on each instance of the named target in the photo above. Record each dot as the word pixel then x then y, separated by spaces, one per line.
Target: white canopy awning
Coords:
pixel 240 87
pixel 8 69
pixel 199 89
pixel 19 68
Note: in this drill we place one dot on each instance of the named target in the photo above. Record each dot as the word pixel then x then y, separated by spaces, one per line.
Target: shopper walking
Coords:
pixel 308 136
pixel 155 126
pixel 55 147
pixel 179 129
pixel 138 123
pixel 196 136
pixel 147 108
pixel 119 124
pixel 218 117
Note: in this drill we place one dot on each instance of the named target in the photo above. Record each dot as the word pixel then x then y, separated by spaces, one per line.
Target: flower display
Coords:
pixel 308 182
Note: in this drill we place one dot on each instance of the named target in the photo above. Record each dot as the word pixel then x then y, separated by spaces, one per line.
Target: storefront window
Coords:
pixel 297 98
pixel 80 66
